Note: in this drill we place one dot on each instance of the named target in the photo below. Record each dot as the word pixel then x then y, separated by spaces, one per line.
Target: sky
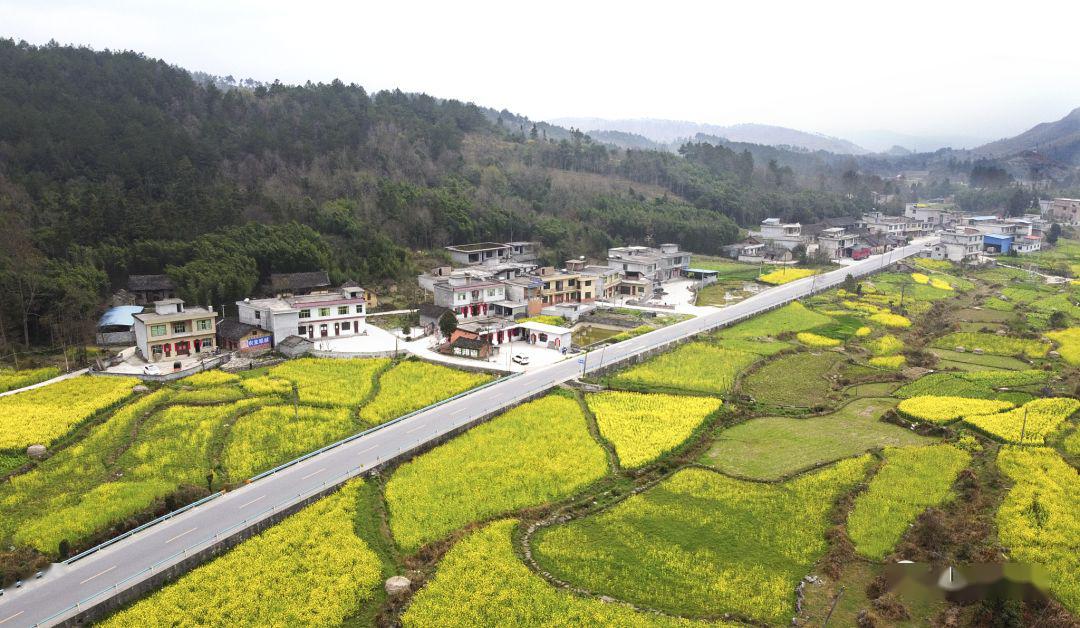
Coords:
pixel 917 67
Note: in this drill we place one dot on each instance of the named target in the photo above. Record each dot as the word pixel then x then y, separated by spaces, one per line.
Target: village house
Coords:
pixel 646 262
pixel 836 242
pixel 173 331
pixel 468 293
pixel 1063 210
pixel 298 283
pixel 958 245
pixel 236 336
pixel 145 289
pixel 750 250
pixel 774 233
pixel 937 215
pixel 493 252
pixel 325 314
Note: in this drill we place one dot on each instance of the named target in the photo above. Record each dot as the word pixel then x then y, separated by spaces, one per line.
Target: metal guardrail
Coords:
pixel 283 466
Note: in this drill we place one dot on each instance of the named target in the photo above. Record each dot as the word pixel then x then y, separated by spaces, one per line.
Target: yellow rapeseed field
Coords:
pixel 1043 417
pixel 412 385
pixel 784 275
pixel 642 427
pixel 309 570
pixel 42 415
pixel 814 340
pixel 941 410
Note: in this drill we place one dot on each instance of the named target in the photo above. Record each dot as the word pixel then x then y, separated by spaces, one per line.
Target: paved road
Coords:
pixel 58 378
pixel 53 598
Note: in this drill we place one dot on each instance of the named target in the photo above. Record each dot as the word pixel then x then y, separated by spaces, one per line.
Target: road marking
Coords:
pixel 459 411
pixel 180 535
pixel 245 504
pixel 367 450
pixel 313 473
pixel 12 617
pixel 418 427
pixel 98 574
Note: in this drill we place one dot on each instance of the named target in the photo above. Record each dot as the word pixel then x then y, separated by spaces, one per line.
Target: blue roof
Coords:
pixel 997 236
pixel 120 315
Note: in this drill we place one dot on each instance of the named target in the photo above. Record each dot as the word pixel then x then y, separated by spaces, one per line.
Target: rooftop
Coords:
pixel 478 246
pixel 232 329
pixel 544 328
pixel 298 282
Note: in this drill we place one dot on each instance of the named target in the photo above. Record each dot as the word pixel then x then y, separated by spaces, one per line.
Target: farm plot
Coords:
pixel 482 583
pixel 695 367
pixel 208 379
pixel 12 379
pixel 785 275
pixel 943 410
pixel 535 453
pixel 43 415
pixel 411 385
pixel 331 382
pixel 770 448
pixel 797 380
pixel 701 544
pixel 311 569
pixel 1069 341
pixel 276 434
pixel 992 343
pixel 885 345
pixel 642 427
pixel 1039 521
pixel 911 480
pixel 793 317
pixel 977 384
pixel 817 341
pixel 1032 422
pixel 968 361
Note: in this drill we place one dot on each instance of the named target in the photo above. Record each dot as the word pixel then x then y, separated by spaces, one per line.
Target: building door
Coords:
pixel 322 330
pixel 198 345
pixel 356 327
pixel 337 329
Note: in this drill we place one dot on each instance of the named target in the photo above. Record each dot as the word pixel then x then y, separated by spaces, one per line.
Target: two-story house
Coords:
pixel 469 295
pixel 172 331
pixel 958 245
pixel 327 314
pixel 649 263
pixel 774 233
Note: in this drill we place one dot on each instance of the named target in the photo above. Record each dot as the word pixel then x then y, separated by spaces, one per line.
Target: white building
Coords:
pixel 787 235
pixel 469 294
pixel 493 252
pixel 836 242
pixel 329 314
pixel 174 331
pixel 958 245
pixel 937 215
pixel 646 262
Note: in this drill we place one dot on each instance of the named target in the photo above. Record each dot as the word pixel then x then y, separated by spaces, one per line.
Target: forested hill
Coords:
pixel 115 163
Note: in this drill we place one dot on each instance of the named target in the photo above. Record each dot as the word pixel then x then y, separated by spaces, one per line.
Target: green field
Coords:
pixel 773 447
pixel 797 380
pixel 701 544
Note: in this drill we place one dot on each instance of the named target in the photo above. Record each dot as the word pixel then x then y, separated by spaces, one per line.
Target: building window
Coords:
pixel 207 343
pixel 324 311
pixel 359 309
pixel 305 313
pixel 158 330
pixel 258 315
pixel 343 309
pixel 179 327
pixel 203 324
pixel 156 351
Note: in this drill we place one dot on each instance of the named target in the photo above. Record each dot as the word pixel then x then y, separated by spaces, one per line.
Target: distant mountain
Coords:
pixel 883 141
pixel 1058 141
pixel 673 131
pixel 622 139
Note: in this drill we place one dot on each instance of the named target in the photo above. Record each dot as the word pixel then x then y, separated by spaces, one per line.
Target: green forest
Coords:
pixel 113 163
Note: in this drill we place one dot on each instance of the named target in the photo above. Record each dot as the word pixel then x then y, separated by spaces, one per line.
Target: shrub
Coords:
pixel 703 544
pixel 528 456
pixel 642 427
pixel 912 479
pixel 1039 519
pixel 631 333
pixel 863 331
pixel 1042 418
pixel 941 410
pixel 310 569
pixel 42 415
pixel 557 321
pixel 814 340
pixel 785 275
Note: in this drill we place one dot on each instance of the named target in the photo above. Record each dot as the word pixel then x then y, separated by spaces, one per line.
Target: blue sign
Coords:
pixel 580 361
pixel 258 342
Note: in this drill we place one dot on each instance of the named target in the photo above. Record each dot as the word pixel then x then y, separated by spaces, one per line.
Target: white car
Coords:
pixel 521 359
pixel 151 369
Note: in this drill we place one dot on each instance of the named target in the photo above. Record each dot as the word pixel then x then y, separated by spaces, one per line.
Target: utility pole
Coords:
pixel 1023 428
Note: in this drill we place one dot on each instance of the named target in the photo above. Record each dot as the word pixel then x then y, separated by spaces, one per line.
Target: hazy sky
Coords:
pixel 969 68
